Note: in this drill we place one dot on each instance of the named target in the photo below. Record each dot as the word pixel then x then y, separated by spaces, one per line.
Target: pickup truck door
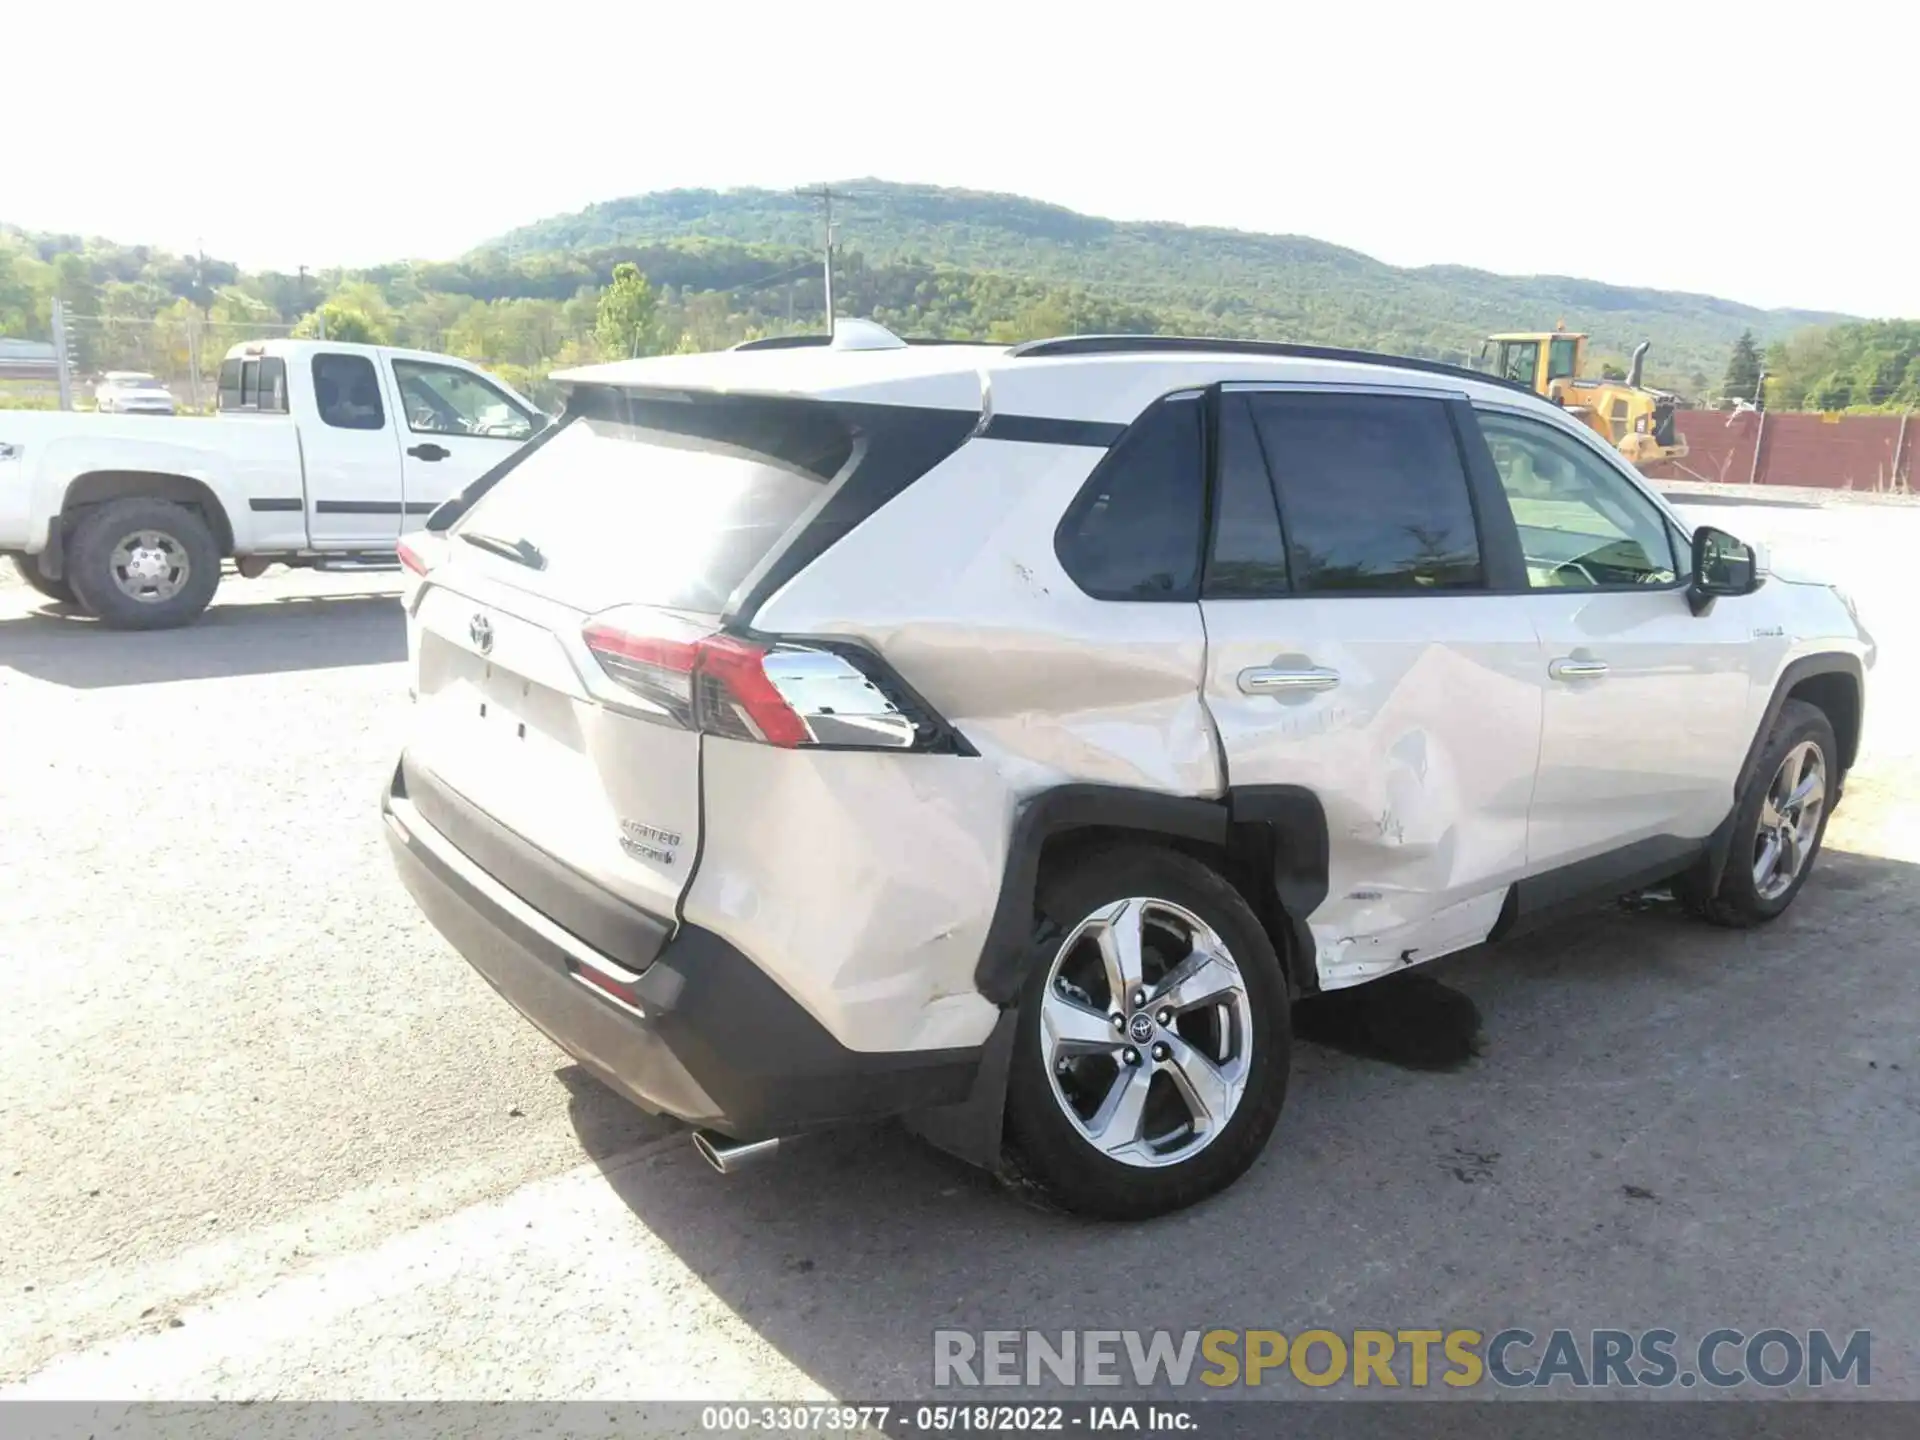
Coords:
pixel 455 425
pixel 349 452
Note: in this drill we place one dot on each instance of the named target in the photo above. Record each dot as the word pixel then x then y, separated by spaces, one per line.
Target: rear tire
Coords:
pixel 1211 1044
pixel 29 569
pixel 1778 824
pixel 143 564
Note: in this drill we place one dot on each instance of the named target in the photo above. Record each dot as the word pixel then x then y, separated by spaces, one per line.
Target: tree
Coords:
pixel 623 323
pixel 1743 369
pixel 345 323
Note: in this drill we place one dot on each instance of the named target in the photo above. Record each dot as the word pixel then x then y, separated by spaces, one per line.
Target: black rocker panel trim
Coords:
pixel 1540 899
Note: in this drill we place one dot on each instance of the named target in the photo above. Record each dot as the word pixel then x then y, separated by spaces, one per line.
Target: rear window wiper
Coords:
pixel 524 551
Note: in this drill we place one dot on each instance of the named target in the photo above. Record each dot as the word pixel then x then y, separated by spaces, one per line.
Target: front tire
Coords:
pixel 58 590
pixel 143 564
pixel 1154 1040
pixel 1778 824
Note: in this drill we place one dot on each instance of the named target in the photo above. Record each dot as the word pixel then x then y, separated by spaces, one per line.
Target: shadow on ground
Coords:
pixel 63 646
pixel 1669 1122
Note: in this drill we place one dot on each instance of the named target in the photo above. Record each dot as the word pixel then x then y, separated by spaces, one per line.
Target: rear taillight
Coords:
pixel 419 553
pixel 771 692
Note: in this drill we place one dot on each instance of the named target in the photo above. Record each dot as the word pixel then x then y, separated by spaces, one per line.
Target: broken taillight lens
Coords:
pixel 770 692
pixel 420 552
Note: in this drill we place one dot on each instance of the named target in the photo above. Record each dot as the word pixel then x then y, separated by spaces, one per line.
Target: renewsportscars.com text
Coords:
pixel 1515 1357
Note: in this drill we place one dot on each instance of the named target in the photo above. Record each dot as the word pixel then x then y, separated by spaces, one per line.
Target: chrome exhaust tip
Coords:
pixel 729 1156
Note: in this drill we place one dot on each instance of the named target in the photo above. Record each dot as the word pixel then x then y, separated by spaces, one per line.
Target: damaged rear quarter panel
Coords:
pixel 956 582
pixel 862 881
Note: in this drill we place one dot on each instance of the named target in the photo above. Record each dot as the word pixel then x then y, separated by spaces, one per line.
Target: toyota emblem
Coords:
pixel 480 631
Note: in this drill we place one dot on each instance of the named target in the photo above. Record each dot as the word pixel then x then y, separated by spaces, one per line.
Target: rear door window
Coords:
pixel 1133 531
pixel 1249 556
pixel 1373 492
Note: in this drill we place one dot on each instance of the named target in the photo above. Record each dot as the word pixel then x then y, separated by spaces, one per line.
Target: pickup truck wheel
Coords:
pixel 29 569
pixel 1777 825
pixel 1151 1053
pixel 143 564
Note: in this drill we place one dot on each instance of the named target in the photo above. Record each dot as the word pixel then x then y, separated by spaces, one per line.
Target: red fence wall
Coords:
pixel 1842 452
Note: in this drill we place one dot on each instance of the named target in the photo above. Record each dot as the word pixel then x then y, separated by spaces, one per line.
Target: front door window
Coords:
pixel 446 400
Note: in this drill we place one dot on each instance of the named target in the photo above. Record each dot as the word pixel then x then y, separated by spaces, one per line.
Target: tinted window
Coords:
pixel 273 385
pixel 229 384
pixel 1583 525
pixel 347 393
pixel 1373 493
pixel 249 384
pixel 1133 531
pixel 1249 557
pixel 445 400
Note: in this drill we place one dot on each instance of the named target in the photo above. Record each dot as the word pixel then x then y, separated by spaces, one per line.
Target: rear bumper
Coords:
pixel 712 1038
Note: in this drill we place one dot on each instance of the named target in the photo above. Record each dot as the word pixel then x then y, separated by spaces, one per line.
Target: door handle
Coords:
pixel 428 451
pixel 1569 668
pixel 1266 680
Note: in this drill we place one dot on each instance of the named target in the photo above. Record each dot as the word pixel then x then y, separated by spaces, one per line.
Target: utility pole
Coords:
pixel 824 194
pixel 62 361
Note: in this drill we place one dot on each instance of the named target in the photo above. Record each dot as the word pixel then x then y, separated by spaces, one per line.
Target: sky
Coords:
pixel 1754 151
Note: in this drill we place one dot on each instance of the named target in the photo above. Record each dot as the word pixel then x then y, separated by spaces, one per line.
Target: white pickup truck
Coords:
pixel 319 451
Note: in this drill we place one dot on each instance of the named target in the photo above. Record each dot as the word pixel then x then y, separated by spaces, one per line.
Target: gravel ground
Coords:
pixel 263 1135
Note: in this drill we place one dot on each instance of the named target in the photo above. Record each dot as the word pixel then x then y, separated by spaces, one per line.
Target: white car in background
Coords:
pixel 132 392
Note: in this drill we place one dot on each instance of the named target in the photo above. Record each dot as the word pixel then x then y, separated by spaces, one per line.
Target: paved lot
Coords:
pixel 261 1134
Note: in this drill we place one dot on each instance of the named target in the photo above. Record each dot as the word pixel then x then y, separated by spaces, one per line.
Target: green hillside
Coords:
pixel 720 267
pixel 1184 277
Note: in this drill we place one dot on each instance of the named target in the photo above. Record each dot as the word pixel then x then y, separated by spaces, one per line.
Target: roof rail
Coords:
pixel 1196 344
pixel 820 342
pixel 784 342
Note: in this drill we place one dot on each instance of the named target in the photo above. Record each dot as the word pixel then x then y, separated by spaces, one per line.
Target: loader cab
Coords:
pixel 1537 360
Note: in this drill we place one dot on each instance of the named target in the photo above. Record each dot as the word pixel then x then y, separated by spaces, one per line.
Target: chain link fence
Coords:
pixel 183 354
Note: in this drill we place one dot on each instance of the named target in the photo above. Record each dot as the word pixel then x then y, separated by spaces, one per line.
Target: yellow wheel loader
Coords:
pixel 1635 419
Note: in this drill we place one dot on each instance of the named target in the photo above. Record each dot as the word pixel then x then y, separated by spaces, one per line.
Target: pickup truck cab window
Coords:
pixel 347 392
pixel 446 400
pixel 259 385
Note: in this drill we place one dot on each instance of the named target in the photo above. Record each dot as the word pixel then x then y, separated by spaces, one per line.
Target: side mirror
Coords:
pixel 1722 565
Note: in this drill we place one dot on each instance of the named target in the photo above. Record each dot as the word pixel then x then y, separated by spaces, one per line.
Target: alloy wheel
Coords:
pixel 1146 1032
pixel 1789 820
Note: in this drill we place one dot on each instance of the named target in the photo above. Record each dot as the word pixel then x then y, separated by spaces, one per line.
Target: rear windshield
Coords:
pixel 659 502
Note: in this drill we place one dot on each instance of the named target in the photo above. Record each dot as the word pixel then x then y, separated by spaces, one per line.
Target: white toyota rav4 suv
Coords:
pixel 1002 737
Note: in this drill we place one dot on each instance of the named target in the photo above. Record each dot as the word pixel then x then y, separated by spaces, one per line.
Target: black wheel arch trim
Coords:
pixel 1274 838
pixel 1835 662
